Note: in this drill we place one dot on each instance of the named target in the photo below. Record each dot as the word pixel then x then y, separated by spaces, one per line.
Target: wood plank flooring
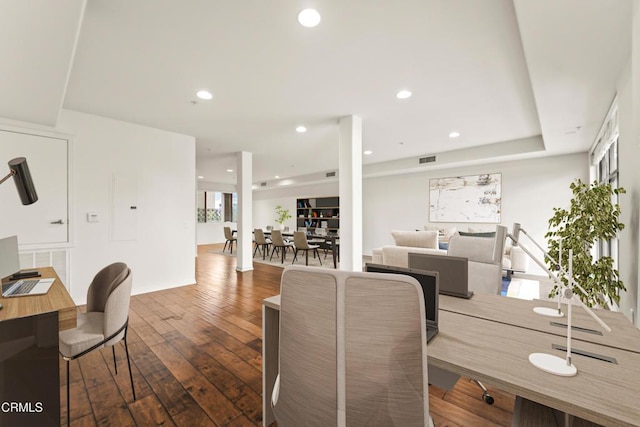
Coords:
pixel 196 360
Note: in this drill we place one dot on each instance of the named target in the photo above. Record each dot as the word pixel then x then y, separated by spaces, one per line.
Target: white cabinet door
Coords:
pixel 45 221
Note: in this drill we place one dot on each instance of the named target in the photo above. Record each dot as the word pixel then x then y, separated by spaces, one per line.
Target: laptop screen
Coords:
pixel 454 278
pixel 428 281
pixel 9 257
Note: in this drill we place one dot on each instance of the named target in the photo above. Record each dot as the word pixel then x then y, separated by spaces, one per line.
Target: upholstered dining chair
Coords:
pixel 261 242
pixel 105 322
pixel 278 243
pixel 353 350
pixel 301 244
pixel 228 234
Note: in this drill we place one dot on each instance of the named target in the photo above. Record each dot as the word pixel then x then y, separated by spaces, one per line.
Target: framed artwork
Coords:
pixel 471 198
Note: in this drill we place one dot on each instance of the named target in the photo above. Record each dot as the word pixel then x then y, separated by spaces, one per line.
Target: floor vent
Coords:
pixel 330 174
pixel 428 159
pixel 263 184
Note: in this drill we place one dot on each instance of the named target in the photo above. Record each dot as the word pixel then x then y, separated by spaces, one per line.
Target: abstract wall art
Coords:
pixel 471 198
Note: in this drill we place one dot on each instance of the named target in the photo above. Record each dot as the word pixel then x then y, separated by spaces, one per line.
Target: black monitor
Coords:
pixel 454 275
pixel 428 281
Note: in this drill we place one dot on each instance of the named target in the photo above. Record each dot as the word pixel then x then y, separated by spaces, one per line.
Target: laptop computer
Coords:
pixel 454 275
pixel 10 265
pixel 428 281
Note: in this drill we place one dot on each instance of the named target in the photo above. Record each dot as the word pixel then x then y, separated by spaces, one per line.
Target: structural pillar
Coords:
pixel 350 190
pixel 244 165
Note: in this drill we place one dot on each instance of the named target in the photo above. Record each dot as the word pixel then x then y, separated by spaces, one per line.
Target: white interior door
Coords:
pixel 45 221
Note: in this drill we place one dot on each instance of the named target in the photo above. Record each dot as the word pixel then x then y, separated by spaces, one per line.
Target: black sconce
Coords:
pixel 19 170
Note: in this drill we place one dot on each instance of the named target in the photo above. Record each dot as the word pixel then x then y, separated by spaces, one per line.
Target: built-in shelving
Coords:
pixel 319 212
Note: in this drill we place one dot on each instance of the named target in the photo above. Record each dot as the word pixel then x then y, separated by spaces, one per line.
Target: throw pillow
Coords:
pixel 416 239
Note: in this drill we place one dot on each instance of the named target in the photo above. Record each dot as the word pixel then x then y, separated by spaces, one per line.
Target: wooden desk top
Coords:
pixel 56 299
pixel 517 312
pixel 498 354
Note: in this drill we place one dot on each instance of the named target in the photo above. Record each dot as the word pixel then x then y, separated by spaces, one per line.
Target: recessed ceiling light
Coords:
pixel 277 176
pixel 229 170
pixel 204 94
pixel 368 152
pixel 200 177
pixel 301 129
pixel 454 134
pixel 403 94
pixel 309 18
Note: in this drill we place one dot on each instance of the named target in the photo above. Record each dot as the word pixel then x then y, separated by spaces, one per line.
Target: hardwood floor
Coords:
pixel 196 360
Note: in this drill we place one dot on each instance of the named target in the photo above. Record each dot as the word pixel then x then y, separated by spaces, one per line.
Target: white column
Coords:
pixel 244 173
pixel 350 182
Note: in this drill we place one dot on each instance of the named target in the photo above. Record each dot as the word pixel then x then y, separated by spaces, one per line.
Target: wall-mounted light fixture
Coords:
pixel 19 170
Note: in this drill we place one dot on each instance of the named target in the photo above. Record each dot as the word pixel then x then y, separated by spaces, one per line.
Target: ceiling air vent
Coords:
pixel 330 174
pixel 428 159
pixel 263 184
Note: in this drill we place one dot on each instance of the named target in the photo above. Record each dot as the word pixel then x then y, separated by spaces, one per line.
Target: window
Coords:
pixel 215 206
pixel 604 158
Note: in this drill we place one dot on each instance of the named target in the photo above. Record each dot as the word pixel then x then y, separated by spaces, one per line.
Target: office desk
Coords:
pixel 498 353
pixel 57 299
pixel 29 358
pixel 518 312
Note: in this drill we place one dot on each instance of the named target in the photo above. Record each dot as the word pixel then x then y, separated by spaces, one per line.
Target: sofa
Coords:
pixel 486 254
pixel 405 242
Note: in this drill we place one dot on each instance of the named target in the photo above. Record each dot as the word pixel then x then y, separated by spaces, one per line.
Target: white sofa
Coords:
pixel 485 254
pixel 407 241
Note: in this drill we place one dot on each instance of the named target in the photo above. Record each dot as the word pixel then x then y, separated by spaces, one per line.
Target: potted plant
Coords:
pixel 591 217
pixel 283 215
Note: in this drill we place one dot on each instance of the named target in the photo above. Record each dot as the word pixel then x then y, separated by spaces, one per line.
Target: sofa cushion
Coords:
pixel 444 232
pixel 416 239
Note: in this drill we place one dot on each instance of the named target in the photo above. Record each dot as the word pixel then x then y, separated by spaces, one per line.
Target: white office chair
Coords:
pixel 352 350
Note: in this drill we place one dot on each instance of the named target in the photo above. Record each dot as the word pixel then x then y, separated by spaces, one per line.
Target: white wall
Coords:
pixel 162 251
pixel 628 89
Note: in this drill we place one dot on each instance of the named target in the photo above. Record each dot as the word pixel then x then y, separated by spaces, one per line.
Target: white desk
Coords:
pixel 497 353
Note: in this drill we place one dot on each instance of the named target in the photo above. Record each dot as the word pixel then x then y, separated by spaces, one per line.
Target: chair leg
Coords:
pixel 272 252
pixel 126 349
pixel 68 406
pixel 295 256
pixel 115 365
pixel 255 250
pixel 318 253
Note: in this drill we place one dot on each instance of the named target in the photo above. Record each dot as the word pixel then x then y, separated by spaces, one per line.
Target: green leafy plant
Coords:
pixel 283 214
pixel 592 216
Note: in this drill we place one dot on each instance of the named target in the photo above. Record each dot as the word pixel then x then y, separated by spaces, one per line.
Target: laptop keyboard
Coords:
pixel 22 287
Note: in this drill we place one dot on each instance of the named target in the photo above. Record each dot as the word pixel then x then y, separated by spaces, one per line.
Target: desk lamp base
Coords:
pixel 552 364
pixel 546 311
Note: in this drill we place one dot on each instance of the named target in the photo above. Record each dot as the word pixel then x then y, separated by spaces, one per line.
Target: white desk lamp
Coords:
pixel 548 362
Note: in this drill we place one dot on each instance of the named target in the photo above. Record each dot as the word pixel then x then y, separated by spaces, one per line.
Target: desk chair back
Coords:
pixel 352 350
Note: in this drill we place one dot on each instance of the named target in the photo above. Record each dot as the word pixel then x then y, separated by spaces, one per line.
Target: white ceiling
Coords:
pixel 497 71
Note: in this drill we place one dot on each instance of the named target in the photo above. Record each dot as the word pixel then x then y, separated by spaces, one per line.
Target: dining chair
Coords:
pixel 301 244
pixel 278 243
pixel 105 323
pixel 228 234
pixel 261 242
